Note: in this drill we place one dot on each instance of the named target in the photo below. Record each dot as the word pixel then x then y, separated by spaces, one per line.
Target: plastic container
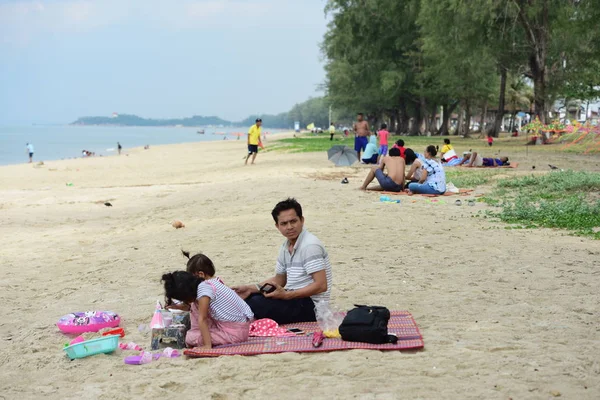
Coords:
pixel 106 344
pixel 167 318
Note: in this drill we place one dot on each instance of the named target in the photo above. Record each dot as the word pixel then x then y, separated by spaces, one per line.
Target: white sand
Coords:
pixel 504 313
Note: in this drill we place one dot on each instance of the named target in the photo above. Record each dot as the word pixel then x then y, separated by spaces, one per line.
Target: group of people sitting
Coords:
pixel 425 172
pixel 425 175
pixel 222 315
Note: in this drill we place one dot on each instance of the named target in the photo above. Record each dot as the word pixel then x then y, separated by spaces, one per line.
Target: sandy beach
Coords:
pixel 504 313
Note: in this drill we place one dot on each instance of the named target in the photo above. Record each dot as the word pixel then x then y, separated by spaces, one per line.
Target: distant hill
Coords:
pixel 134 120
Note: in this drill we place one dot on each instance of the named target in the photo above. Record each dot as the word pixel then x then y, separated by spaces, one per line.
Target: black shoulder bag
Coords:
pixel 367 324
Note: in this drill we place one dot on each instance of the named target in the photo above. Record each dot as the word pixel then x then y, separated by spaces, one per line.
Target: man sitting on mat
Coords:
pixel 394 180
pixel 302 273
pixel 475 160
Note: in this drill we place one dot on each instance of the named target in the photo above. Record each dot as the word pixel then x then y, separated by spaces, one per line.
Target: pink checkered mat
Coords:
pixel 401 323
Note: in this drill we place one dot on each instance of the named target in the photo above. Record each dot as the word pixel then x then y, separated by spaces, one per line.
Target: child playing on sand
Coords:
pixel 383 140
pixel 218 315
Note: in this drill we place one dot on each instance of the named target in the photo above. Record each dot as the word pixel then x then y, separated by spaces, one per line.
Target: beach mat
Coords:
pixel 512 165
pixel 401 324
pixel 461 192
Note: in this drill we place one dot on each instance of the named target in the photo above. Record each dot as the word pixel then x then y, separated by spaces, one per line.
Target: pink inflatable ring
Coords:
pixel 88 321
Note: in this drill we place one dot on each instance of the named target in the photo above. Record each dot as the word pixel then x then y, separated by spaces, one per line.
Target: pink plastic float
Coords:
pixel 88 321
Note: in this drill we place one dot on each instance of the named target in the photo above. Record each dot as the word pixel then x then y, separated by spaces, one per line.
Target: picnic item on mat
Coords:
pixel 266 327
pixel 367 324
pixel 329 319
pixel 146 357
pixel 401 324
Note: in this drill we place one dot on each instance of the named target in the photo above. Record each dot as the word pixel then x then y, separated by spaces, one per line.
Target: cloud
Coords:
pixel 24 21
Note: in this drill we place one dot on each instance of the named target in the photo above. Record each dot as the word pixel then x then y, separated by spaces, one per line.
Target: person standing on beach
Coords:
pixel 253 140
pixel 302 273
pixel 119 147
pixel 331 131
pixel 361 134
pixel 30 150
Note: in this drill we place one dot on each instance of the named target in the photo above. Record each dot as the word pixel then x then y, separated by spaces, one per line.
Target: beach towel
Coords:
pixel 401 324
pixel 461 192
pixel 512 165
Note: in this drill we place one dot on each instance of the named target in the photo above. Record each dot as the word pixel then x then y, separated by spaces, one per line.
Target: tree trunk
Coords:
pixel 404 119
pixel 483 119
pixel 447 109
pixel 417 121
pixel 459 124
pixel 500 114
pixel 392 127
pixel 536 27
pixel 430 120
pixel 467 119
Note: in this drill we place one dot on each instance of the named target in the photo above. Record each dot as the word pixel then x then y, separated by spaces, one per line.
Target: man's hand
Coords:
pixel 279 293
pixel 244 291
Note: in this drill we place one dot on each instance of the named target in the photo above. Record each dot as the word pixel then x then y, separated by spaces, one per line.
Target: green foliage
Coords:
pixel 469 179
pixel 555 200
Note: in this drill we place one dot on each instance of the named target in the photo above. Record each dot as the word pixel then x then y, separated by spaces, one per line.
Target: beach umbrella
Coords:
pixel 342 156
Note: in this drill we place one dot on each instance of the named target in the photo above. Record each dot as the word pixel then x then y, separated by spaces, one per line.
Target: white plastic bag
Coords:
pixel 328 318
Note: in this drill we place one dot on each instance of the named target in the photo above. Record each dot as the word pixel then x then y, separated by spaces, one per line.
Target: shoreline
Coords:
pixel 218 139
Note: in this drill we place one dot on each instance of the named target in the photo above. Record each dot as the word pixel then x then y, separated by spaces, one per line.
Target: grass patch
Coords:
pixel 567 200
pixel 469 179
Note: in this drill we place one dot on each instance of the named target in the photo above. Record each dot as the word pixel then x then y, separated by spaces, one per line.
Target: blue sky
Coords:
pixel 62 59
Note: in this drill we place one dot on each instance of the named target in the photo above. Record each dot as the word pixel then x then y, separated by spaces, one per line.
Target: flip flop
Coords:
pixel 458 202
pixel 345 180
pixel 471 202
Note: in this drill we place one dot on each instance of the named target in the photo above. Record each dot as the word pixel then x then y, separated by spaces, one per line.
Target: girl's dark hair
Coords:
pixel 400 142
pixel 199 263
pixel 447 141
pixel 383 126
pixel 287 204
pixel 409 156
pixel 431 150
pixel 180 285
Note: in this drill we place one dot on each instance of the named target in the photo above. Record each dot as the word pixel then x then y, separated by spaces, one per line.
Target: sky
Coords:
pixel 63 59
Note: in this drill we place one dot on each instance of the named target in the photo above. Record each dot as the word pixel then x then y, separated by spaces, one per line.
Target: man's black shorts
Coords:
pixel 252 148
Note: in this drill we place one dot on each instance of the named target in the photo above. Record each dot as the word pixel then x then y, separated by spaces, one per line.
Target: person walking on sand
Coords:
pixel 361 134
pixel 30 150
pixel 253 140
pixel 119 147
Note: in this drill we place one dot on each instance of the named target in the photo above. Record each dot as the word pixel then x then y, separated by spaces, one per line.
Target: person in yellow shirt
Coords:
pixel 253 140
pixel 448 153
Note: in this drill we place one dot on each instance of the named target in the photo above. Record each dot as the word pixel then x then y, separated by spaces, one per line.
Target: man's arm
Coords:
pixel 318 286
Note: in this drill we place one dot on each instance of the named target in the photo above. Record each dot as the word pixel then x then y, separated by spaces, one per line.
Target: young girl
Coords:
pixel 218 315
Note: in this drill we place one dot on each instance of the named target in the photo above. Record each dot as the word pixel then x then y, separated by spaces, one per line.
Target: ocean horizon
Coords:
pixel 58 142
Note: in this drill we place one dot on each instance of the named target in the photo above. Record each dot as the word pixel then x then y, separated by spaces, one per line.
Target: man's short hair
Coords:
pixel 394 152
pixel 361 114
pixel 287 204
pixel 258 120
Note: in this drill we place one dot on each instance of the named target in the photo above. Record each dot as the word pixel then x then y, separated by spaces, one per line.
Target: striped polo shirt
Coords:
pixel 225 304
pixel 308 256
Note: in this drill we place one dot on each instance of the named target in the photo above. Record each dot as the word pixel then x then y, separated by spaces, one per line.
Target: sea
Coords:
pixel 57 142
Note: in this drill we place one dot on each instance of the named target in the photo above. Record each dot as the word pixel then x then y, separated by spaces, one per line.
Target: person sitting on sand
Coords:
pixel 302 273
pixel 448 154
pixel 371 154
pixel 394 180
pixel 433 177
pixel 218 315
pixel 475 160
pixel 400 146
pixel 416 167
